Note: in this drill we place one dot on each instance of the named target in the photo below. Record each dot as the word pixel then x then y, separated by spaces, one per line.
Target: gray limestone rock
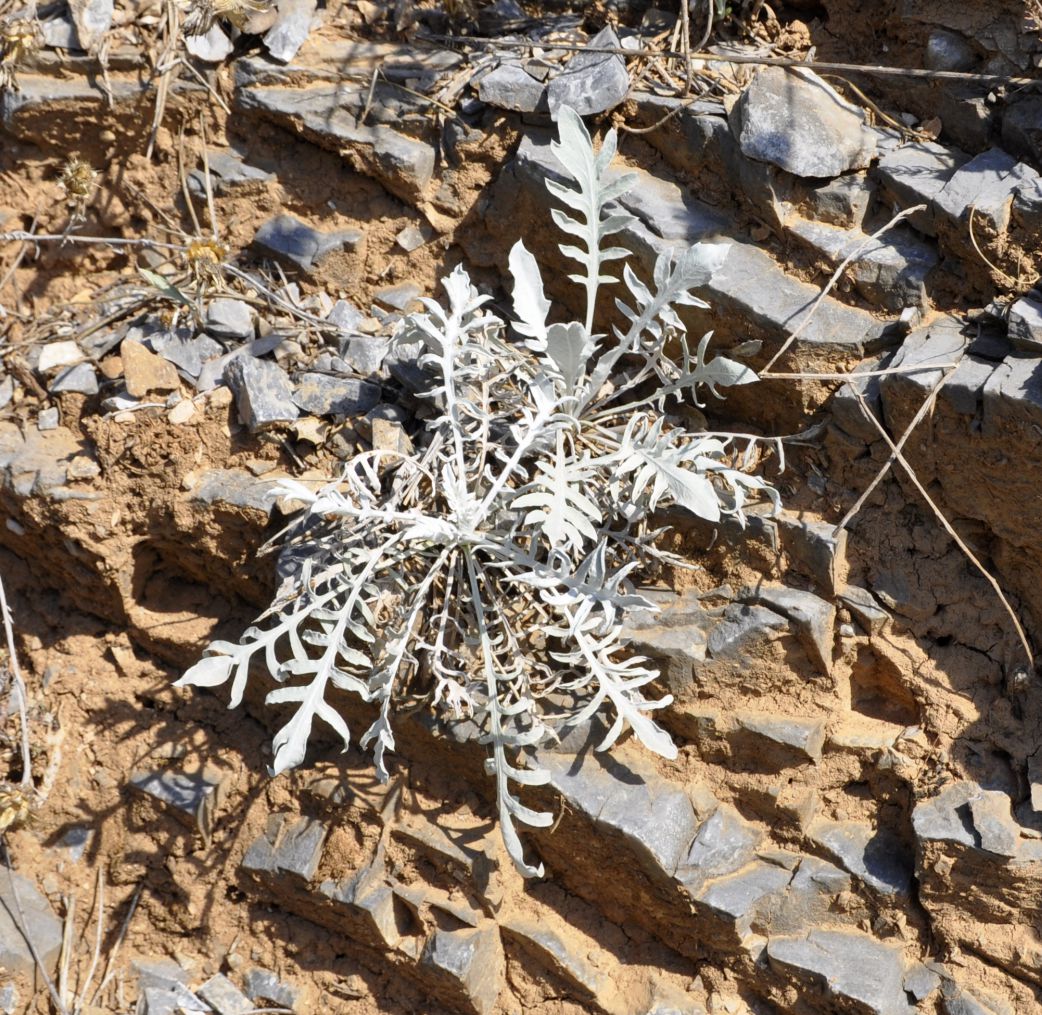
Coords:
pixel 291 28
pixel 188 354
pixel 986 184
pixel 813 618
pixel 921 981
pixel 263 985
pixel 795 120
pixel 182 792
pixel 48 419
pixel 552 949
pixel 840 202
pixel 510 86
pixel 737 897
pixel 175 999
pixel 916 173
pixel 213 46
pixel 324 113
pixel 814 548
pixel 675 638
pixel 296 244
pixel 1025 325
pixel 82 379
pixel 8 999
pixel 873 855
pixel 40 925
pixel 365 354
pixel 287 846
pixel 949 51
pixel 946 817
pixel 865 608
pixel 368 895
pixel 890 271
pixel 725 843
pixel 235 487
pixel 802 737
pixel 228 170
pixel 224 997
pixel 742 629
pixel 400 297
pixel 850 968
pixel 992 816
pixel 228 318
pixel 591 82
pixel 1022 127
pixel 326 395
pixel 471 961
pixel 262 391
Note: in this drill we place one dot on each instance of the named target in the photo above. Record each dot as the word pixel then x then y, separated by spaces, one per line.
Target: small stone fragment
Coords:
pixel 291 28
pixel 365 353
pixel 228 318
pixel 291 846
pixel 185 794
pixel 804 736
pixel 211 47
pixel 794 120
pixel 262 985
pixel 984 186
pixel 80 379
pixel 725 842
pixel 262 392
pixel 410 238
pixel 948 51
pixel 326 395
pixel 871 854
pixel 472 960
pixel 510 86
pixel 49 419
pixel 145 372
pixel 39 924
pixel 400 297
pixel 992 817
pixel 1025 325
pixel 59 354
pixel 813 618
pixel 591 82
pixel 296 244
pixel 920 981
pixel 865 608
pixel 6 392
pixel 182 412
pixel 815 548
pixel 224 997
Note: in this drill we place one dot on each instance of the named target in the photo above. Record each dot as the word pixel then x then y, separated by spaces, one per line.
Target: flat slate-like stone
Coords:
pixel 796 121
pixel 81 379
pixel 1025 325
pixel 991 812
pixel 851 968
pixel 591 82
pixel 741 629
pixel 986 185
pixel 40 925
pixel 813 618
pixel 736 897
pixel 229 318
pixel 327 395
pixel 224 997
pixel 510 86
pixel 804 736
pixel 916 173
pixel 182 792
pixel 472 960
pixel 946 817
pixel 263 393
pixel 725 843
pixel 402 164
pixel 263 985
pixel 287 846
pixel 291 28
pixel 877 858
pixel 554 950
pixel 298 245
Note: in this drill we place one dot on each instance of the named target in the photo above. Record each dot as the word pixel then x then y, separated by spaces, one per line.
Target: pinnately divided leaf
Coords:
pixel 486 576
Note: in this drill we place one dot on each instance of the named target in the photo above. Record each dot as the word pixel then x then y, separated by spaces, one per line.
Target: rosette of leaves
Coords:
pixel 487 575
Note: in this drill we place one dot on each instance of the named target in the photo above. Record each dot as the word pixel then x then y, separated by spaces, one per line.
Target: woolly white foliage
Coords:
pixel 488 575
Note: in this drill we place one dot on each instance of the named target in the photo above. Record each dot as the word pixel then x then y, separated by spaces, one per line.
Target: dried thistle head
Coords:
pixel 203 13
pixel 78 181
pixel 15 806
pixel 204 260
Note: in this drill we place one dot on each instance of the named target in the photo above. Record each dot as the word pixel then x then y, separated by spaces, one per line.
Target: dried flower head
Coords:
pixel 203 13
pixel 15 806
pixel 78 181
pixel 204 260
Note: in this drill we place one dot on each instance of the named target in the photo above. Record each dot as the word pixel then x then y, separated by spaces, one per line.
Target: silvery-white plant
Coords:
pixel 487 575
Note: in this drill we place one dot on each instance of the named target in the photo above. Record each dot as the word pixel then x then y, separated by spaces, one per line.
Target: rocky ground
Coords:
pixel 854 822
